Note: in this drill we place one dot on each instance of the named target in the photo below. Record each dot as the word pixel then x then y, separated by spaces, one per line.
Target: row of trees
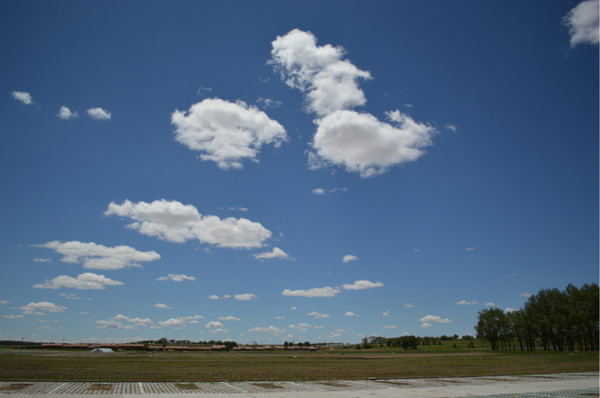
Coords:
pixel 557 320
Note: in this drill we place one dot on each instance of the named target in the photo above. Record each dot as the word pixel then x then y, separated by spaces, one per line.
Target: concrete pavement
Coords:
pixel 564 385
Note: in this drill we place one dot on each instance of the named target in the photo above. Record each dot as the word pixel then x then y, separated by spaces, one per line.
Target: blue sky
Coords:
pixel 270 171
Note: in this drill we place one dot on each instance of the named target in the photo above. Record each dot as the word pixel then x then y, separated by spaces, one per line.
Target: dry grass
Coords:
pixel 15 387
pixel 269 386
pixel 101 387
pixel 269 366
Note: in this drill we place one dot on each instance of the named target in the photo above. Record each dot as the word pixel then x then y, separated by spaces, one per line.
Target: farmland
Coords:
pixel 334 364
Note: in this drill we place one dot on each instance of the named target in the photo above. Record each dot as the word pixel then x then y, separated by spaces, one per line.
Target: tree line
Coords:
pixel 555 320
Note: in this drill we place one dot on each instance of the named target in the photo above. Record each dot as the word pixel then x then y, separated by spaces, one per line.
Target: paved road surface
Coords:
pixel 565 385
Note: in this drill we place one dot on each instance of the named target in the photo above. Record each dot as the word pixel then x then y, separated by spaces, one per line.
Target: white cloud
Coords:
pixel 386 313
pixel 275 253
pixel 326 291
pixel 427 320
pixel 270 329
pixel 318 191
pixel 301 327
pixel 490 304
pixel 363 144
pixel 390 327
pixel 318 315
pixel 226 133
pixel 465 302
pixel 96 256
pixel 14 316
pixel 329 82
pixel 469 249
pixel 582 22
pixel 361 285
pixel 42 260
pixel 180 321
pixel 99 114
pixel 22 96
pixel 162 306
pixel 213 297
pixel 408 305
pixel 176 278
pixel 85 281
pixel 42 306
pixel 350 313
pixel 175 222
pixel 525 294
pixel 244 296
pixel 65 113
pixel 214 325
pixel 349 257
pixel 4 302
pixel 269 103
pixel 229 318
pixel 451 127
pixel 509 310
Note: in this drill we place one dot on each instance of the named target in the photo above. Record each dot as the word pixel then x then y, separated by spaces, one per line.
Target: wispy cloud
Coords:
pixel 318 315
pixel 42 306
pixel 465 302
pixel 276 253
pixel 361 285
pixel 427 320
pixel 244 296
pixel 176 278
pixel 95 256
pixel 326 291
pixel 66 114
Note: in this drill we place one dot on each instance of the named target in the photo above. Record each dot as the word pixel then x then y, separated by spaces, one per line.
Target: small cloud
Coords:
pixel 244 297
pixel 214 325
pixel 408 305
pixel 390 327
pixel 162 306
pixel 85 281
pixel 32 308
pixel 229 318
pixel 361 285
pixel 510 275
pixel 465 302
pixel 275 253
pixel 451 127
pixel 509 310
pixel 4 302
pixel 326 291
pixel 279 317
pixel 350 313
pixel 469 249
pixel 176 278
pixel 42 260
pixel 490 304
pixel 203 91
pixel 293 309
pixel 583 23
pixel 14 316
pixel 66 114
pixel 269 329
pixel 409 105
pixel 385 313
pixel 428 319
pixel 269 103
pixel 213 297
pixel 22 96
pixel 318 315
pixel 99 114
pixel 525 294
pixel 349 257
pixel 318 191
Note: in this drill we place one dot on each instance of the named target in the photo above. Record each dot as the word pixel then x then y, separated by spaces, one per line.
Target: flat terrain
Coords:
pixel 59 365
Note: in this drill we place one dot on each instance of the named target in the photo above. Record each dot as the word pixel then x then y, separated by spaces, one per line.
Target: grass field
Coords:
pixel 57 365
